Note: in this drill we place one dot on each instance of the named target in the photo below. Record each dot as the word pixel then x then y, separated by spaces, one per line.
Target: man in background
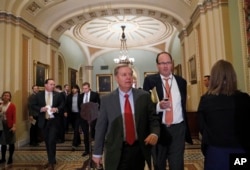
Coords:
pixel 171 108
pixel 66 92
pixel 206 80
pixel 88 96
pixel 33 117
pixel 61 132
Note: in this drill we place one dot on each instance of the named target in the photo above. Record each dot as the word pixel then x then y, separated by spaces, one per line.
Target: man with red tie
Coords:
pixel 127 125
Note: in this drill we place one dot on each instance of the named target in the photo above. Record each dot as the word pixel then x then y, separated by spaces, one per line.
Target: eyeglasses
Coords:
pixel 165 63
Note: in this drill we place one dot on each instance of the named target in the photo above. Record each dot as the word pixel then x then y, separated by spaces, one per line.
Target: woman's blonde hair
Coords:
pixel 223 79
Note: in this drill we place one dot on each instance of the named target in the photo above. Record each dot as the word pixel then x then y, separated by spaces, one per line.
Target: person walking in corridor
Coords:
pixel 8 123
pixel 49 104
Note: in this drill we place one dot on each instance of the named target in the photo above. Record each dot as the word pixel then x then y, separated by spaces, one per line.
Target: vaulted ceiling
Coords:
pixel 97 22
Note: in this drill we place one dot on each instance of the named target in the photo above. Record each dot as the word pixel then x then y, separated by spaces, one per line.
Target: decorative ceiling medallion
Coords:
pixel 106 31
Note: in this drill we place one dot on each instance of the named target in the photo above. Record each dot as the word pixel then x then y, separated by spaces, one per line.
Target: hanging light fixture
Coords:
pixel 124 57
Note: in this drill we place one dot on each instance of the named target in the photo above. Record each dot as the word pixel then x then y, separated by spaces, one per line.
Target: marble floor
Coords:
pixel 33 158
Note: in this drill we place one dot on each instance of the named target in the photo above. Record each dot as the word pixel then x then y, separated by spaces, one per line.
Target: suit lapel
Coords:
pixel 43 100
pixel 136 114
pixel 54 98
pixel 117 107
pixel 159 87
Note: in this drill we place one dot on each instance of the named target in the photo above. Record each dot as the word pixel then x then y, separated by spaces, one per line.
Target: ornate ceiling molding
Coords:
pixel 82 26
pixel 88 16
pixel 106 31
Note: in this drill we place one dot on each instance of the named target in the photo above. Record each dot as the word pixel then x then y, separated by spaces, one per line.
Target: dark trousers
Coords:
pixel 219 157
pixel 50 132
pixel 66 123
pixel 88 132
pixel 132 158
pixel 34 132
pixel 11 151
pixel 61 132
pixel 85 128
pixel 173 152
pixel 75 122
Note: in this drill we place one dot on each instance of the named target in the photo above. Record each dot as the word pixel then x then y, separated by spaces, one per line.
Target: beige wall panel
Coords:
pixel 193 97
pixel 41 52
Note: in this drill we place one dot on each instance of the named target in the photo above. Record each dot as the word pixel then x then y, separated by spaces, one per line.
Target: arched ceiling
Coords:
pixel 139 31
pixel 97 23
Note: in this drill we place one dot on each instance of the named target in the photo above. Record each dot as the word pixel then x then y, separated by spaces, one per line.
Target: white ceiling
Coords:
pixel 97 22
pixel 139 31
pixel 89 30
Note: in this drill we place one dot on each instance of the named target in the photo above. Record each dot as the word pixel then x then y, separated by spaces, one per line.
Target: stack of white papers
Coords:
pixel 49 112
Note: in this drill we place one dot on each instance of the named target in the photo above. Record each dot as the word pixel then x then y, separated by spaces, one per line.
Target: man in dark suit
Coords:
pixel 206 79
pixel 88 96
pixel 61 133
pixel 49 104
pixel 66 92
pixel 112 131
pixel 171 144
pixel 72 110
pixel 33 117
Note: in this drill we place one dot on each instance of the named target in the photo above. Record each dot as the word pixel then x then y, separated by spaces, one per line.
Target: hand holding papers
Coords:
pixel 49 111
pixel 33 122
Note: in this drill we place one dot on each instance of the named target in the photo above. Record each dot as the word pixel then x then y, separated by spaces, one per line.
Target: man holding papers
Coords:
pixel 49 104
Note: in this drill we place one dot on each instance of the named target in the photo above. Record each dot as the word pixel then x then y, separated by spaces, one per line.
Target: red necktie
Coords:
pixel 129 123
pixel 169 111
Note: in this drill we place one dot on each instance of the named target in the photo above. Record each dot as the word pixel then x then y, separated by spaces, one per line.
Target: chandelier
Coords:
pixel 124 57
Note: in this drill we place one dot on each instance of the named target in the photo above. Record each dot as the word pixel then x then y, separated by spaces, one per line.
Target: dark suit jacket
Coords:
pixel 109 127
pixel 224 120
pixel 39 101
pixel 68 104
pixel 94 97
pixel 154 80
pixel 31 111
pixel 64 94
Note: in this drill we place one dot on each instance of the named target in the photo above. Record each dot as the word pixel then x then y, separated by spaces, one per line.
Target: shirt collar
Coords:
pixel 169 77
pixel 122 93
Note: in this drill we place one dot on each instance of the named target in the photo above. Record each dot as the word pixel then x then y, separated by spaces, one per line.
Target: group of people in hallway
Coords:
pixel 153 135
pixel 53 108
pixel 223 120
pixel 131 128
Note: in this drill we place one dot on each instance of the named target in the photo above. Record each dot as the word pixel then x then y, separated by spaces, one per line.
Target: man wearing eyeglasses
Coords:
pixel 171 108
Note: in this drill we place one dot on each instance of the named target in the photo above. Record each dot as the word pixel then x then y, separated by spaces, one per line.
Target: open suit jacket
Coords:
pixel 49 127
pixel 39 101
pixel 68 103
pixel 154 80
pixel 109 127
pixel 94 97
